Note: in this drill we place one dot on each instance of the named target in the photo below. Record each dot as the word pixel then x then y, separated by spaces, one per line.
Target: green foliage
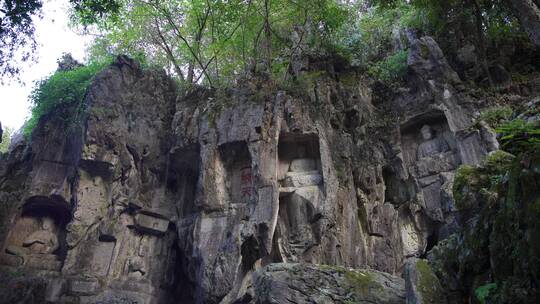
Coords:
pixel 428 284
pixel 362 281
pixel 496 116
pixel 369 39
pixel 90 11
pixel 391 69
pixel 215 41
pixel 482 292
pixel 498 162
pixel 61 93
pixel 476 187
pixel 519 136
pixel 502 237
pixel 17 41
pixel 6 139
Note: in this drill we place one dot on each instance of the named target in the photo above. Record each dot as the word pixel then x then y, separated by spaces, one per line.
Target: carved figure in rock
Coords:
pixel 43 241
pixel 431 146
pixel 302 171
pixel 302 163
pixel 299 215
pixel 136 267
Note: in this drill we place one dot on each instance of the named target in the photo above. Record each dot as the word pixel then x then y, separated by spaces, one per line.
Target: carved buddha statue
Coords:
pixel 431 146
pixel 302 163
pixel 42 241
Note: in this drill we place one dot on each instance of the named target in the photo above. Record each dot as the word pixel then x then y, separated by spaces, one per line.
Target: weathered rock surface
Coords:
pixel 231 195
pixel 421 283
pixel 304 283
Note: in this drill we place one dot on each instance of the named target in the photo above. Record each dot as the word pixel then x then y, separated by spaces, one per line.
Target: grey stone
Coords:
pixel 302 179
pixel 299 283
pixel 101 258
pixel 427 61
pixel 343 188
pixel 83 287
pixel 151 224
pixel 421 283
pixel 42 261
pixel 471 149
pixel 55 289
pixel 430 146
pixel 11 260
pixel 303 165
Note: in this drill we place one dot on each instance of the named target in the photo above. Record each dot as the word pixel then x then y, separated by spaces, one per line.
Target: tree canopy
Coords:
pixel 17 42
pixel 215 41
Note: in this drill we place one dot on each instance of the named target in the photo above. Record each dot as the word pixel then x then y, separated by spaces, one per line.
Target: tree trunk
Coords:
pixel 267 37
pixel 481 41
pixel 528 13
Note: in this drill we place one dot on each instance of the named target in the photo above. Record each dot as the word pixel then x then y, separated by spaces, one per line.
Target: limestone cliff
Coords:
pixel 241 195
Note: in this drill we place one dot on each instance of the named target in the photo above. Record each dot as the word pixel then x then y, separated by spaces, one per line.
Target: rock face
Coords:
pixel 422 285
pixel 232 196
pixel 297 283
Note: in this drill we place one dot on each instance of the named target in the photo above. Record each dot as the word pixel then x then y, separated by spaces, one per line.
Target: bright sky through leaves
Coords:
pixel 54 38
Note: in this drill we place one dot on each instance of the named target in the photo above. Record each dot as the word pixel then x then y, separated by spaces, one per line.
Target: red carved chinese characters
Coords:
pixel 246 184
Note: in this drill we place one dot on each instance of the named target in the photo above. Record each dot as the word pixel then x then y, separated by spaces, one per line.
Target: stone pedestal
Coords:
pixel 150 223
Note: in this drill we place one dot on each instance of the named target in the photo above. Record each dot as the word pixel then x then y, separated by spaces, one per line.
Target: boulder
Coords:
pixel 427 62
pixel 421 283
pixel 305 283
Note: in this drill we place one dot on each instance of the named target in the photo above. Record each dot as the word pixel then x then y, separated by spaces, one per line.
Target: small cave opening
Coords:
pixel 182 289
pixel 251 252
pixel 183 177
pixel 432 241
pixel 396 189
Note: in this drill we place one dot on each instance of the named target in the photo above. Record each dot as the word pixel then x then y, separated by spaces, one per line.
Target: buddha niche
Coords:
pixel 302 171
pixel 431 146
pixel 42 241
pixel 302 163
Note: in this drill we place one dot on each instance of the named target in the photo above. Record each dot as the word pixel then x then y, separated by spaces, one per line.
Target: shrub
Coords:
pixel 391 69
pixel 519 136
pixel 6 139
pixel 61 93
pixel 482 292
pixel 496 116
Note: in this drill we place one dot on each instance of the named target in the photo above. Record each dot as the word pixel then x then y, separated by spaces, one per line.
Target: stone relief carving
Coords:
pixel 33 243
pixel 300 194
pixel 431 145
pixel 302 171
pixel 41 241
pixel 246 185
pixel 431 155
pixel 236 177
